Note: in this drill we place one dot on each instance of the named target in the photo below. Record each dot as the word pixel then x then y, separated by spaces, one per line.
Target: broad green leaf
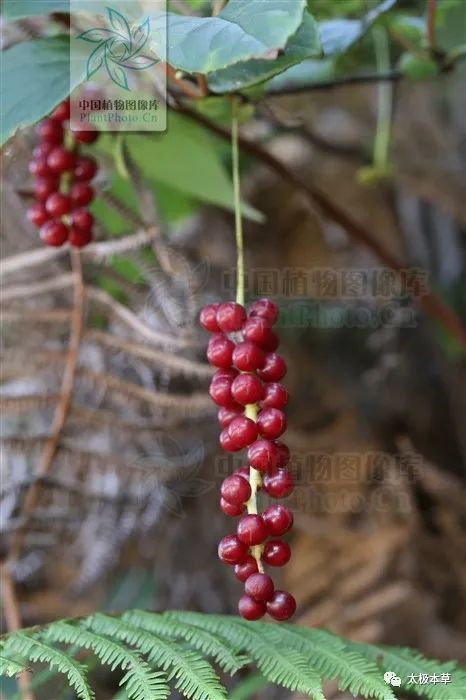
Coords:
pixel 304 44
pixel 337 35
pixel 245 29
pixel 18 9
pixel 308 72
pixel 185 158
pixel 418 67
pixel 35 78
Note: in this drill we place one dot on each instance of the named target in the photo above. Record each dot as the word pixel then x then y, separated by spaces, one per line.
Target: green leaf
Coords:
pixel 307 72
pixel 337 35
pixel 418 67
pixel 18 9
pixel 243 30
pixel 185 158
pixel 36 78
pixel 304 44
pixel 411 28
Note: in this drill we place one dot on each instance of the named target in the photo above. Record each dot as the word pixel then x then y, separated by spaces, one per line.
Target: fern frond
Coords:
pixel 140 682
pixel 35 650
pixel 10 667
pixel 193 676
pixel 279 664
pixel 209 644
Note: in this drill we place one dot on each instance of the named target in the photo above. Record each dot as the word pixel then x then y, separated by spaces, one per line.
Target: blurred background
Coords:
pixel 128 514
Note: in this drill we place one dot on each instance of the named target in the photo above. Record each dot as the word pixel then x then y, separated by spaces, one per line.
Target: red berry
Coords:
pixel 259 587
pixel 39 168
pixel 220 391
pixel 243 431
pixel 251 609
pixel 244 571
pixel 271 423
pixel 230 509
pixel 50 130
pixel 37 214
pixel 252 530
pixel 279 484
pixel 266 309
pixel 283 454
pixel 60 160
pixel 243 471
pixel 86 136
pixel 85 168
pixel 227 413
pixel 278 518
pixel 232 551
pixel 274 368
pixel 272 342
pixel 57 204
pixel 79 238
pixel 220 351
pixel 82 219
pixel 231 316
pixel 227 443
pixel 248 356
pixel 235 489
pixel 54 233
pixel 262 455
pixel 282 606
pixel 44 187
pixel 276 553
pixel 42 149
pixel 275 396
pixel 208 318
pixel 62 112
pixel 81 194
pixel 258 330
pixel 247 388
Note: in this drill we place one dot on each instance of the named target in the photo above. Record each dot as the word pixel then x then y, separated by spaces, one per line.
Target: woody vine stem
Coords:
pixel 255 479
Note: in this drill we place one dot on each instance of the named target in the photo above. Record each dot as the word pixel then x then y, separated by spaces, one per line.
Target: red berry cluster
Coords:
pixel 246 387
pixel 62 177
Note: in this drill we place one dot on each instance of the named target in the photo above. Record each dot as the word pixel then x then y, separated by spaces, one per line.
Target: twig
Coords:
pixel 30 291
pixel 431 304
pixel 431 21
pixel 13 622
pixel 361 79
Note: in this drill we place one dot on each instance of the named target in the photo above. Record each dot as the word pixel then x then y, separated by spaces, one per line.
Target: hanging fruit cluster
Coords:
pixel 62 182
pixel 251 399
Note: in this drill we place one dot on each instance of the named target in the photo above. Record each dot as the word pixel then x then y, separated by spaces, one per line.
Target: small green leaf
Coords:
pixel 337 35
pixel 418 67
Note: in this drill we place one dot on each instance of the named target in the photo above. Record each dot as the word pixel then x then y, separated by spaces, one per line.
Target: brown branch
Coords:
pixel 431 21
pixel 392 76
pixel 431 304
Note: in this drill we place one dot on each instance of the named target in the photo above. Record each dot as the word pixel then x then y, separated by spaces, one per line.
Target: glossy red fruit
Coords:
pixel 271 423
pixel 226 414
pixel 84 169
pixel 57 204
pixel 272 342
pixel 82 219
pixel 279 519
pixel 86 136
pixel 37 214
pixel 283 454
pixel 257 330
pixel 278 484
pixel 60 160
pixel 235 489
pixel 243 471
pixel 232 551
pixel 248 356
pixel 220 391
pixel 62 112
pixel 227 443
pixel 252 530
pixel 244 571
pixel 44 187
pixel 275 396
pixel 262 455
pixel 39 168
pixel 251 609
pixel 282 606
pixel 243 431
pixel 246 389
pixel 79 238
pixel 260 587
pixel 81 193
pixel 231 316
pixel 208 318
pixel 42 149
pixel 273 369
pixel 220 351
pixel 54 233
pixel 230 509
pixel 50 130
pixel 276 553
pixel 266 309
